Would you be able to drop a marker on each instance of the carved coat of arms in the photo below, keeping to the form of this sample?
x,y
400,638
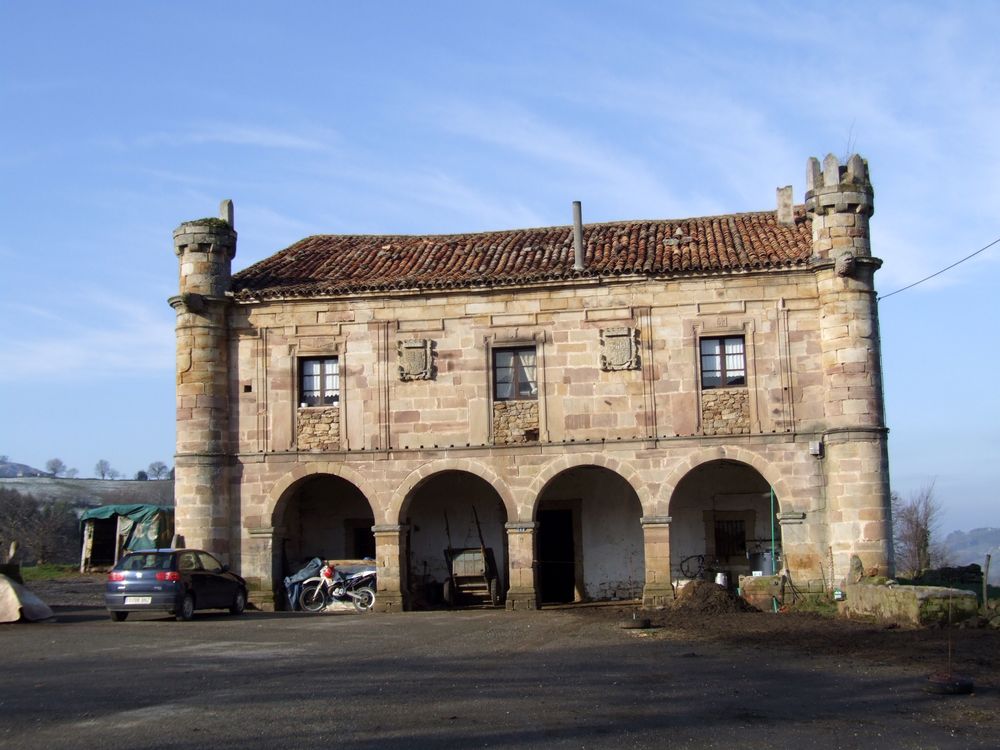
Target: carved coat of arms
x,y
415,359
619,349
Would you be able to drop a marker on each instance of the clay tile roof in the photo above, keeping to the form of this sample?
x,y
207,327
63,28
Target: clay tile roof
x,y
326,265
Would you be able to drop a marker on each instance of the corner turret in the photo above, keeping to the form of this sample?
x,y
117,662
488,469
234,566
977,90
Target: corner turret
x,y
205,249
840,200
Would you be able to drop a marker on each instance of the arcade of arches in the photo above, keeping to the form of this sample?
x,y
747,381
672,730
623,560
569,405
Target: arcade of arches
x,y
587,539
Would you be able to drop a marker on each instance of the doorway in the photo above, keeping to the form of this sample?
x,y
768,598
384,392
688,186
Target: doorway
x,y
556,556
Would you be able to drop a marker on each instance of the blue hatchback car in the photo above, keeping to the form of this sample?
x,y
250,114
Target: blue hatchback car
x,y
174,581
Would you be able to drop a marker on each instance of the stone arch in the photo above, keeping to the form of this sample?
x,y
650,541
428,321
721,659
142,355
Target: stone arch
x,y
565,463
280,493
728,453
418,476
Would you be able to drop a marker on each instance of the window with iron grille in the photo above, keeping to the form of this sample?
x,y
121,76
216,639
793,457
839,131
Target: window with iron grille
x,y
319,381
723,362
514,374
730,538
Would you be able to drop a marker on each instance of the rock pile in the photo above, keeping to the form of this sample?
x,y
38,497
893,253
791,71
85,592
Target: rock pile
x,y
707,598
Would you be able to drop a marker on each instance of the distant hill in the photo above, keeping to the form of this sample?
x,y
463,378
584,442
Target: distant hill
x,y
9,470
93,492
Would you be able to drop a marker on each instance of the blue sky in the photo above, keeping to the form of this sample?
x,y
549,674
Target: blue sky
x,y
121,120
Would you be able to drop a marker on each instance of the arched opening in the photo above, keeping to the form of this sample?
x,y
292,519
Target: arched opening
x,y
723,516
588,543
447,513
321,516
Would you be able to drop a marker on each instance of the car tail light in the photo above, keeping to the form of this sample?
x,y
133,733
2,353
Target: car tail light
x,y
116,575
170,575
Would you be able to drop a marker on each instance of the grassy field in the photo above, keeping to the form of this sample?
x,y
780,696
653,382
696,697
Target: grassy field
x,y
48,572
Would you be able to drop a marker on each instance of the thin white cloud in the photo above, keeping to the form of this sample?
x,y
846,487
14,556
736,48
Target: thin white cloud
x,y
234,134
115,335
590,163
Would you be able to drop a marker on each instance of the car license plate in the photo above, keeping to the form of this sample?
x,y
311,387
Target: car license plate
x,y
138,600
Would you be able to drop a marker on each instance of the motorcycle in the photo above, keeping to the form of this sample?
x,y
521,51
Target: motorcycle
x,y
331,585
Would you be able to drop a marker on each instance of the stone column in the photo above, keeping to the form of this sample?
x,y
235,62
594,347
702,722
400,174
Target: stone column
x,y
390,552
840,200
260,569
205,249
657,591
522,592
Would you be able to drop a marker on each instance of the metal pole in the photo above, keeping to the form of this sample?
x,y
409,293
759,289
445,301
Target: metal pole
x,y
772,532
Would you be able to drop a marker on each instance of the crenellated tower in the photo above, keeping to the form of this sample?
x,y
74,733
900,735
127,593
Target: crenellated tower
x,y
840,202
205,249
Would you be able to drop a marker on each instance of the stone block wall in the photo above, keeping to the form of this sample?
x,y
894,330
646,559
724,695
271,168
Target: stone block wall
x,y
725,411
910,605
318,429
515,422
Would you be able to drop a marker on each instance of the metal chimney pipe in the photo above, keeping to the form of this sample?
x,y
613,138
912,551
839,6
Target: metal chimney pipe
x,y
577,236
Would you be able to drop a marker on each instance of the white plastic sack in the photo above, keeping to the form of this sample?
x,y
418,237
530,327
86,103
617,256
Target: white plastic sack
x,y
16,602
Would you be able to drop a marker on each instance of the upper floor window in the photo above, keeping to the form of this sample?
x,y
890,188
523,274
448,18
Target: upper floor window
x,y
319,381
723,362
514,374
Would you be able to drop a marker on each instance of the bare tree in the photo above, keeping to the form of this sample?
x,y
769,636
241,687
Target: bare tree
x,y
103,469
45,532
55,467
71,473
915,521
157,470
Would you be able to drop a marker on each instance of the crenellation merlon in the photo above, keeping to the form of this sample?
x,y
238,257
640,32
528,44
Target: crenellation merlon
x,y
836,188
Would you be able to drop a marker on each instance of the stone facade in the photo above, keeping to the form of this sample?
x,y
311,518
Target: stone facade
x,y
318,429
622,455
725,411
515,422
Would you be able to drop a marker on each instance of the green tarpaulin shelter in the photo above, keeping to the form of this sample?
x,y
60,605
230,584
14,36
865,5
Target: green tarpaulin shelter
x,y
112,530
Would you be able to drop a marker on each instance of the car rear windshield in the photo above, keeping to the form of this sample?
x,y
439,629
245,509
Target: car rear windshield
x,y
146,561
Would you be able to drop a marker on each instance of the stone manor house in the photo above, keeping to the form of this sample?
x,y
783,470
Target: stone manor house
x,y
624,405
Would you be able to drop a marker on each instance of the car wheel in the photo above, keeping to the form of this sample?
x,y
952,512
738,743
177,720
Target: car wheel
x,y
186,611
118,616
239,603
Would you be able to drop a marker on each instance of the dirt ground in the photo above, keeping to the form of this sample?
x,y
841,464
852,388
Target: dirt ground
x,y
709,616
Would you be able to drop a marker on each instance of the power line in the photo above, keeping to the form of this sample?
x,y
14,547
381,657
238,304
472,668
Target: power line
x,y
957,262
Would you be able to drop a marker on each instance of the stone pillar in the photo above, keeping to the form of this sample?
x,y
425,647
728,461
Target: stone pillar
x,y
658,591
205,249
522,593
260,569
390,552
840,200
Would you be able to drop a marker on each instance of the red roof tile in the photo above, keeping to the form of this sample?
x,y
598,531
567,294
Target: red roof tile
x,y
325,265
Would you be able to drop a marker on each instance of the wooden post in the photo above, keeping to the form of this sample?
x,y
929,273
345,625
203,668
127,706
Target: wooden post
x,y
986,582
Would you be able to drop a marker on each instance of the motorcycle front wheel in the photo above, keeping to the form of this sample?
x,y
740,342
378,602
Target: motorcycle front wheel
x,y
313,598
364,599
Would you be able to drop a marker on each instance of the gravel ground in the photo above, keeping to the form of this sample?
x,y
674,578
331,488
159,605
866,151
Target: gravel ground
x,y
568,677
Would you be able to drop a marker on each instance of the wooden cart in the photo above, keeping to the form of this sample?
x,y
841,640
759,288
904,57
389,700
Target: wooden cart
x,y
472,576
472,572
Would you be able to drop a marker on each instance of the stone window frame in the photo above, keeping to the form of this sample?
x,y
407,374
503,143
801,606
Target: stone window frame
x,y
722,340
722,326
300,361
508,339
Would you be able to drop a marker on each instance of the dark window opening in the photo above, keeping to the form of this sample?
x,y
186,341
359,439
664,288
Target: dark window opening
x,y
319,381
514,374
723,362
730,538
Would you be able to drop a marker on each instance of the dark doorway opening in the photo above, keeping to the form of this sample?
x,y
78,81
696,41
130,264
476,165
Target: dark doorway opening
x,y
362,540
556,556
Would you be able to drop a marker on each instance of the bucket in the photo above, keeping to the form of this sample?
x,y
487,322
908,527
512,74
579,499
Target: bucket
x,y
722,579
